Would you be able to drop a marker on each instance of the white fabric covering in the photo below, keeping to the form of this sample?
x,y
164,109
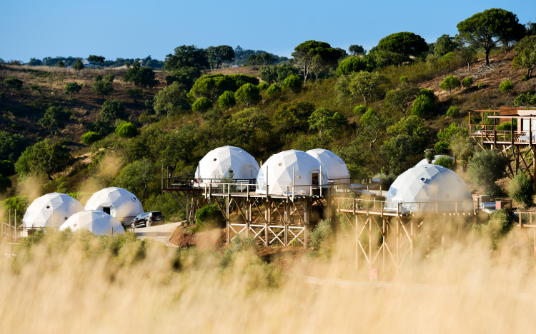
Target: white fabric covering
x,y
51,210
280,173
216,164
334,166
429,183
97,222
122,203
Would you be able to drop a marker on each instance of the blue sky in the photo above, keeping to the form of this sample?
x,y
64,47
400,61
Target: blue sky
x,y
140,28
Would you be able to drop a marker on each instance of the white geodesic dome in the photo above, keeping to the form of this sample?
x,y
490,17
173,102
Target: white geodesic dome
x,y
280,169
334,166
51,210
120,202
428,185
98,222
425,162
217,164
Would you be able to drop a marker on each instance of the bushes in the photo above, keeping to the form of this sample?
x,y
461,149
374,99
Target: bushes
x,y
453,111
202,104
467,82
248,94
449,83
525,100
429,155
486,167
209,216
360,109
506,86
126,130
90,137
444,162
293,83
226,100
274,91
521,190
263,86
423,106
351,64
322,237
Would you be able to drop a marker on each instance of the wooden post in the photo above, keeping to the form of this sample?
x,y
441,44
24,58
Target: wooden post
x,y
162,174
470,123
188,206
356,242
227,206
384,242
268,215
494,131
397,244
248,216
370,241
306,214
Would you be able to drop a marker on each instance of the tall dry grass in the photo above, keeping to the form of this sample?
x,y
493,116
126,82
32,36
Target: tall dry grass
x,y
80,283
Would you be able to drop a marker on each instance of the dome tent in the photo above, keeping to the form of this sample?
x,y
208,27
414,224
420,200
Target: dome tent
x,y
335,167
98,222
282,167
217,164
429,184
425,162
118,202
51,210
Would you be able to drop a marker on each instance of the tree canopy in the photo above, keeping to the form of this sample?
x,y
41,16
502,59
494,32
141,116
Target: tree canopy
x,y
219,54
187,56
141,76
400,46
311,54
351,64
356,50
112,110
525,57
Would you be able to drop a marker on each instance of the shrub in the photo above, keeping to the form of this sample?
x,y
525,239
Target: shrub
x,y
486,167
90,137
126,130
521,189
263,85
322,235
467,82
524,77
360,109
135,93
274,91
209,216
227,99
422,107
441,147
351,64
453,111
293,82
112,110
499,225
525,100
449,83
387,179
449,56
506,86
429,155
444,162
248,94
480,85
202,104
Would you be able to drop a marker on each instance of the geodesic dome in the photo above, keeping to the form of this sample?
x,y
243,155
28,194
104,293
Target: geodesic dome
x,y
425,162
98,222
427,185
335,167
280,169
51,210
217,163
118,202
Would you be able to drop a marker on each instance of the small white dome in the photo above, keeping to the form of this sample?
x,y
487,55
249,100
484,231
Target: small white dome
x,y
121,203
51,210
217,163
429,184
425,162
97,222
333,164
280,173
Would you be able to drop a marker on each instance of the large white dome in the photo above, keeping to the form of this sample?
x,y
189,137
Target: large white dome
x,y
119,202
98,222
335,167
429,184
425,162
217,163
51,210
280,173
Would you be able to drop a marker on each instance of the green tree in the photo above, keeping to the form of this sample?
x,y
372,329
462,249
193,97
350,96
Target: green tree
x,y
486,167
90,137
110,78
274,90
101,127
202,104
101,87
211,86
469,55
78,65
53,118
429,155
185,76
521,189
292,83
365,85
96,59
488,28
226,100
137,177
351,64
71,88
60,64
449,83
126,130
326,122
525,57
220,54
398,151
357,50
453,111
14,84
112,110
412,126
400,46
263,86
247,122
399,99
444,161
12,145
187,56
467,82
142,77
294,116
171,99
525,100
506,86
248,94
46,156
268,74
7,169
373,127
135,94
311,54
444,44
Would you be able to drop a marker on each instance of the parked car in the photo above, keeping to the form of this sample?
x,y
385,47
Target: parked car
x,y
147,219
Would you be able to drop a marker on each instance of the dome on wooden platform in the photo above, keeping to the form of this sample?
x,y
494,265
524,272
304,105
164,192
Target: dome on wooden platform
x,y
334,166
220,163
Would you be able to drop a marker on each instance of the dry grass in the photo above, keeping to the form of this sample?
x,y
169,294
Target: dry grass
x,y
74,286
